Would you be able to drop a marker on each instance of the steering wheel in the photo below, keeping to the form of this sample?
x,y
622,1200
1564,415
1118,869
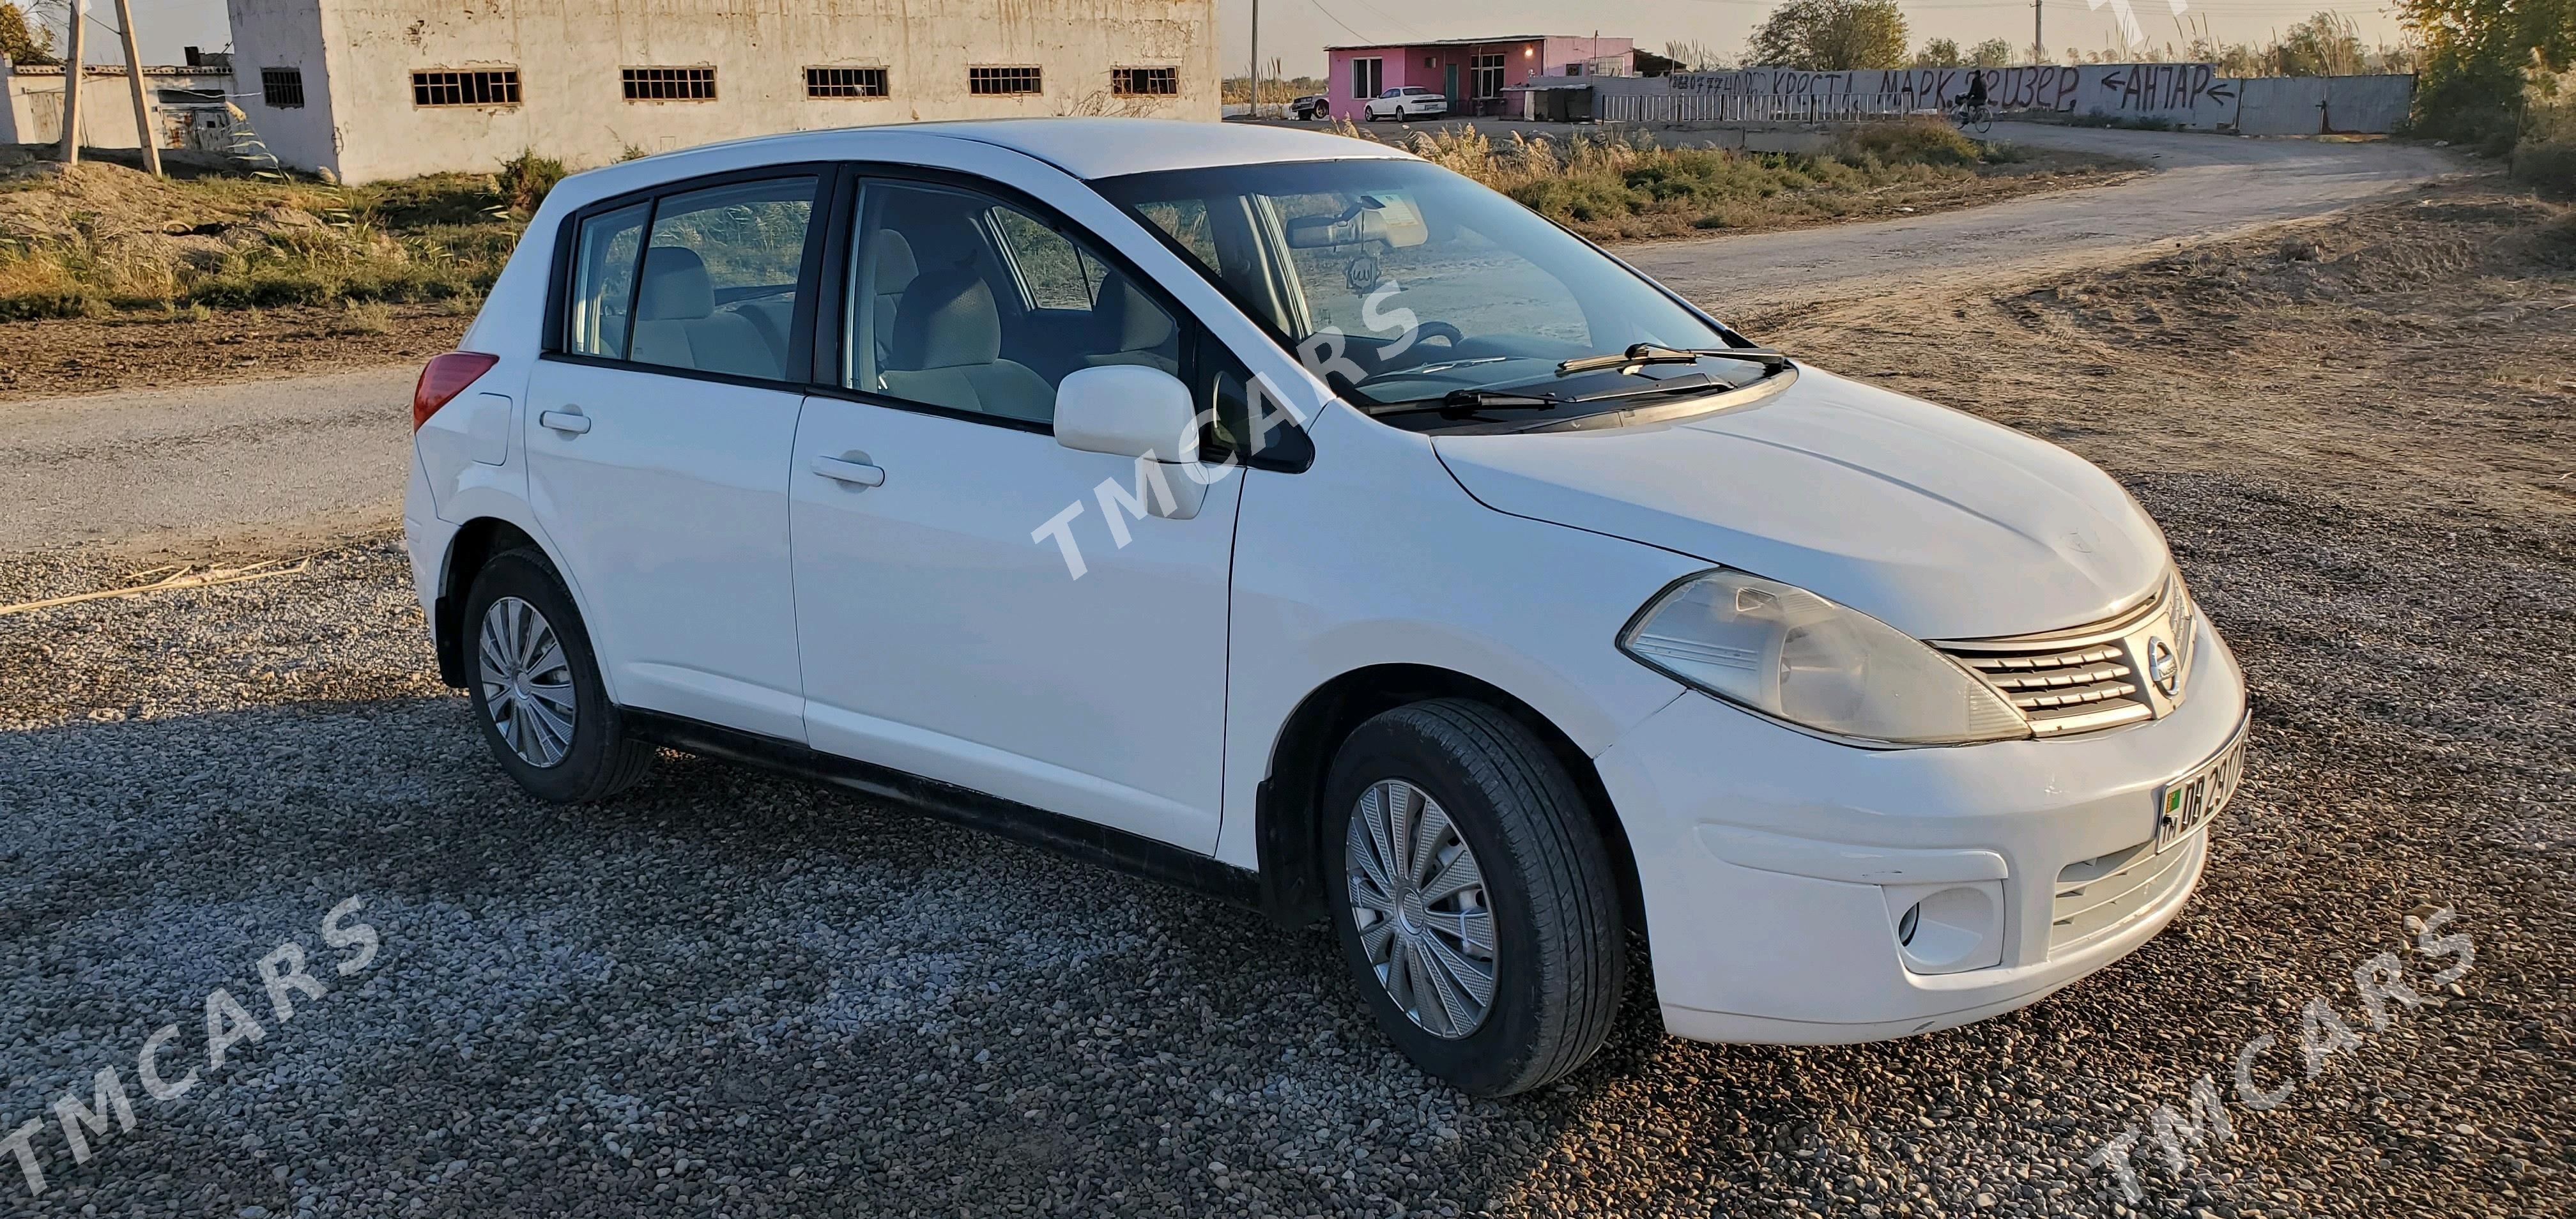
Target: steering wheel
x,y
1443,331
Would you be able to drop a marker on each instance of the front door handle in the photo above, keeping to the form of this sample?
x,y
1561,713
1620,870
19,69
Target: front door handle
x,y
855,473
570,423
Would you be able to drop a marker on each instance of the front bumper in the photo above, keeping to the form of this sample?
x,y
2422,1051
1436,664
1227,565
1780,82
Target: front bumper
x,y
1768,859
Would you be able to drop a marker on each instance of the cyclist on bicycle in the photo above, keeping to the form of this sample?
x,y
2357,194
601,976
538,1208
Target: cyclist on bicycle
x,y
1976,95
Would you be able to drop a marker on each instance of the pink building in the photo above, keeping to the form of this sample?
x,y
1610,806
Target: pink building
x,y
1472,72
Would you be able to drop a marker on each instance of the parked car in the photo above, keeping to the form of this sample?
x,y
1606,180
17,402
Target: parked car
x,y
1311,107
1302,523
1405,102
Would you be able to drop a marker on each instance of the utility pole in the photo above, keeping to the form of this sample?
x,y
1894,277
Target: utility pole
x,y
2038,40
1256,58
72,87
144,136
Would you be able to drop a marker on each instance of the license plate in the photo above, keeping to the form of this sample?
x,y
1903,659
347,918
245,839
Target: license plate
x,y
2186,804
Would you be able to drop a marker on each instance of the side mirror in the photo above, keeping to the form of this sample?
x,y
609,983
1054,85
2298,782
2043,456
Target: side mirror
x,y
1129,410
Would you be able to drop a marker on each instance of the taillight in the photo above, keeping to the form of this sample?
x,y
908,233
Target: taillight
x,y
444,378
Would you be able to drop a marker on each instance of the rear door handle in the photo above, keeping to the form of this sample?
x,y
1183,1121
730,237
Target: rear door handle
x,y
571,423
855,473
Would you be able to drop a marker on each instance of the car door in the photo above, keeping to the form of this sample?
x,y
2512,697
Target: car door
x,y
948,630
658,436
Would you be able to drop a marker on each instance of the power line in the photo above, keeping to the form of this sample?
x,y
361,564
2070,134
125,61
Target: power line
x,y
1346,26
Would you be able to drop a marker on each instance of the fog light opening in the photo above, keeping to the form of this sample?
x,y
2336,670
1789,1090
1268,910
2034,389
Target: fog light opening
x,y
1947,927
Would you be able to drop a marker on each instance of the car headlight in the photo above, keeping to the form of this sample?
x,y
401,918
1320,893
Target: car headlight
x,y
1790,654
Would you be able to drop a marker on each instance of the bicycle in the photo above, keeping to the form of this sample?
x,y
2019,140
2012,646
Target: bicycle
x,y
1973,116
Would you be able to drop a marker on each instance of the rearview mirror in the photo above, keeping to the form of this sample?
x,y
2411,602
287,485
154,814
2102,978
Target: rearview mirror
x,y
1385,216
1129,410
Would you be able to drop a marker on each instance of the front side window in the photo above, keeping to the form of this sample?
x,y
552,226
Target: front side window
x,y
1336,256
973,305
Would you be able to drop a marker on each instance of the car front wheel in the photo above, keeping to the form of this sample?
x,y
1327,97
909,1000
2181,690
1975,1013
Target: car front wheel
x,y
1476,902
535,687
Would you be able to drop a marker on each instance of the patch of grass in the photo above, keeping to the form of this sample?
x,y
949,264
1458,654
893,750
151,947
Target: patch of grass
x,y
364,317
105,239
1613,187
2548,165
525,179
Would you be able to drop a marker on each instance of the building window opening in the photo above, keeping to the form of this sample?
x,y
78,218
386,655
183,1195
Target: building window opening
x,y
1145,82
997,81
488,87
668,84
1488,75
282,86
845,82
1367,76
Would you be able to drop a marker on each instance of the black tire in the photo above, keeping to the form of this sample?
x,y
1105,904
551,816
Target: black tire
x,y
1561,960
601,760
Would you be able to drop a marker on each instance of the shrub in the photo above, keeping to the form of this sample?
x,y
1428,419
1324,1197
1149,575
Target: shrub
x,y
1921,141
2549,166
525,179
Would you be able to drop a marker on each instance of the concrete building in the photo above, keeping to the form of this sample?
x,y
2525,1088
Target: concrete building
x,y
1471,72
187,105
368,89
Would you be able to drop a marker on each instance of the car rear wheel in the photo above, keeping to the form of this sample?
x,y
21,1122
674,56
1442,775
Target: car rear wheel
x,y
535,688
1475,901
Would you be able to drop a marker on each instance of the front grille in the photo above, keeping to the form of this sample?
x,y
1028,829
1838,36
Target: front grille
x,y
2072,681
2096,897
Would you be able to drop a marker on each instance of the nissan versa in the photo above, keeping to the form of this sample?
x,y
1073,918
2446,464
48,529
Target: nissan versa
x,y
1276,514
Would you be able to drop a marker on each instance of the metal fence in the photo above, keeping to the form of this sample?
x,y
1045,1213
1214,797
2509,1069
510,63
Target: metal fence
x,y
1754,107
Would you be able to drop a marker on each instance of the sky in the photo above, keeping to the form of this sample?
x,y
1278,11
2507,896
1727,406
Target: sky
x,y
1295,32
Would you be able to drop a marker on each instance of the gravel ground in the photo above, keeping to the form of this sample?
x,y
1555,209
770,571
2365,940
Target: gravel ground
x,y
729,994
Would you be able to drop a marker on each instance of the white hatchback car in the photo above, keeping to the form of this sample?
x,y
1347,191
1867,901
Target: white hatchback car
x,y
1279,515
1404,102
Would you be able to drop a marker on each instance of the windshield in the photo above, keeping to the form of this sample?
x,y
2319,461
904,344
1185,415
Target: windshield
x,y
1423,283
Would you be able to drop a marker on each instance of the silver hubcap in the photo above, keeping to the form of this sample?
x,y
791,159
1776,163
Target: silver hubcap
x,y
527,683
1418,900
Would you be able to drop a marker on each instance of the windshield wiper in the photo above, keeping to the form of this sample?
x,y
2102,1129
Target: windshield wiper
x,y
1463,401
1650,353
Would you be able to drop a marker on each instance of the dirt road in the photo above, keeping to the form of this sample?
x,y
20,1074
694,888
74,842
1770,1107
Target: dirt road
x,y
2206,187
263,462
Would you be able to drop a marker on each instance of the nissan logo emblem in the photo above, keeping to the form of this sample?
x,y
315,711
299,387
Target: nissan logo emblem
x,y
2162,668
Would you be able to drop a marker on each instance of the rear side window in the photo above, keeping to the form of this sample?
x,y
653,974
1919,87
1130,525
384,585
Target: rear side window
x,y
603,281
716,286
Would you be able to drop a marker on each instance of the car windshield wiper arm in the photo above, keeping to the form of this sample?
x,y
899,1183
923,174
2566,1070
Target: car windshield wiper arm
x,y
1464,400
1649,353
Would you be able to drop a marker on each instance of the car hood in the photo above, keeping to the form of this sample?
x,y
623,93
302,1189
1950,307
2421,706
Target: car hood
x,y
1940,524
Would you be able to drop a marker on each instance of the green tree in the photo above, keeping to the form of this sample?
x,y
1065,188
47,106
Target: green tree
x,y
1831,36
2479,57
1992,53
22,43
1940,53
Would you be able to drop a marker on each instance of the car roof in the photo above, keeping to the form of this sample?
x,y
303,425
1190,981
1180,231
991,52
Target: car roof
x,y
1095,147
